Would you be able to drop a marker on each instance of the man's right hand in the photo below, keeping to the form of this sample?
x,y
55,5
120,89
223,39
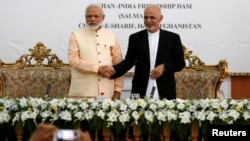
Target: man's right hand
x,y
106,71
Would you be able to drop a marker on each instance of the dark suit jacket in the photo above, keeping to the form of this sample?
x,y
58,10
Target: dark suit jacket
x,y
170,52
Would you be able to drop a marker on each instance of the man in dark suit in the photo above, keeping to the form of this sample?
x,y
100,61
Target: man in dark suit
x,y
156,54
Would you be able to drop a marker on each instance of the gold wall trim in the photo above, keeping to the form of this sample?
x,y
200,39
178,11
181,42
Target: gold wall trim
x,y
239,73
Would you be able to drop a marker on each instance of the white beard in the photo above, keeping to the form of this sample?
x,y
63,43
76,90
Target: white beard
x,y
94,27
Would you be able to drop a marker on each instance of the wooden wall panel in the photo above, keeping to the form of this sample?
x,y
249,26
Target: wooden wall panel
x,y
240,87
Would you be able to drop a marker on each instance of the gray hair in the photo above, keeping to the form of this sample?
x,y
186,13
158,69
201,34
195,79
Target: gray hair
x,y
94,6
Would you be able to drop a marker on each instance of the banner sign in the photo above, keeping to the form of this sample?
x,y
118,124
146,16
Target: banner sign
x,y
213,30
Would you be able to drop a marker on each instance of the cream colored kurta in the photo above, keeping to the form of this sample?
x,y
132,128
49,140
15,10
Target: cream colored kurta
x,y
87,51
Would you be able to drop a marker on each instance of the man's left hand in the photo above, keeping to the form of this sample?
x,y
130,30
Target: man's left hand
x,y
157,71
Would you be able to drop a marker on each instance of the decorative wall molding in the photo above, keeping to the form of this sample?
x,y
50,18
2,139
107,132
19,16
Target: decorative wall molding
x,y
239,74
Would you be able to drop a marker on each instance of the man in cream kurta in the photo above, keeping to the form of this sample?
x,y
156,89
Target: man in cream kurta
x,y
89,49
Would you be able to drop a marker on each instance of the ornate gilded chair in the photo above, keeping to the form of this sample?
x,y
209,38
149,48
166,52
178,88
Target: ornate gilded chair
x,y
198,80
32,73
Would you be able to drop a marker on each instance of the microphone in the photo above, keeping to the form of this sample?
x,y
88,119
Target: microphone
x,y
152,92
47,91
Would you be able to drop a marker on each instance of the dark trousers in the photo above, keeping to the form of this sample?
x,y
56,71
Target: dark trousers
x,y
7,133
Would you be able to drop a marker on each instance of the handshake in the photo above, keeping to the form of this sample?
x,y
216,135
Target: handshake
x,y
106,71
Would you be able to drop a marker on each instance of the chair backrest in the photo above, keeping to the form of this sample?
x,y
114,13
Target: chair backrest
x,y
31,74
198,80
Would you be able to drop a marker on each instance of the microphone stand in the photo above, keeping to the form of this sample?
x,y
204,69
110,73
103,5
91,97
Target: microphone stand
x,y
152,92
47,92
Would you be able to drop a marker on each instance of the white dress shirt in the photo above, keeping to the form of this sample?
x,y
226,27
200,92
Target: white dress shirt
x,y
153,39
